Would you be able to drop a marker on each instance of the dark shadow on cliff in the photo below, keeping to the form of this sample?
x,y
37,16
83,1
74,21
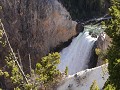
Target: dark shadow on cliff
x,y
86,9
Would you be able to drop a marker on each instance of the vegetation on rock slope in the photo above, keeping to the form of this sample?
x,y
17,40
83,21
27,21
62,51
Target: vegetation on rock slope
x,y
94,86
44,77
35,27
113,55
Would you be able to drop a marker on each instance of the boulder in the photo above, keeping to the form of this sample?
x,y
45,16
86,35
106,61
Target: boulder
x,y
79,27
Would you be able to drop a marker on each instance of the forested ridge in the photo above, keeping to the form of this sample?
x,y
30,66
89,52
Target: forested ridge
x,y
86,9
113,30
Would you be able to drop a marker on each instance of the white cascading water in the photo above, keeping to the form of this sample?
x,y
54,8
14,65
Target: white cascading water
x,y
76,56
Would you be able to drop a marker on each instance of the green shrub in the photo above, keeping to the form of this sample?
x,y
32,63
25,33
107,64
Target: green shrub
x,y
109,87
66,71
47,71
94,86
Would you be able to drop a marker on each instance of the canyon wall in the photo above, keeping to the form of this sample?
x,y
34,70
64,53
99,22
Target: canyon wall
x,y
103,44
36,27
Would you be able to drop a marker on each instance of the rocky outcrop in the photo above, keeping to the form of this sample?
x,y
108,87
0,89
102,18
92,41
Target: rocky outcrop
x,y
79,27
36,26
93,57
103,43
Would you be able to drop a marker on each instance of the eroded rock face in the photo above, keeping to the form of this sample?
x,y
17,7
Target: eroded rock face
x,y
36,26
93,58
103,43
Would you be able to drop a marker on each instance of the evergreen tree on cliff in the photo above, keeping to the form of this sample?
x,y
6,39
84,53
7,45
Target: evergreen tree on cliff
x,y
113,30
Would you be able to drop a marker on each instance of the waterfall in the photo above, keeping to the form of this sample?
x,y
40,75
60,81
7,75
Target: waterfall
x,y
84,79
76,56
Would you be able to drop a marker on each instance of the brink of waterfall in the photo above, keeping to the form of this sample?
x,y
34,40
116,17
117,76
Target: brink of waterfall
x,y
77,55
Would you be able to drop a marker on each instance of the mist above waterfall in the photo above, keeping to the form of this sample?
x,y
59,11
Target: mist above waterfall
x,y
77,55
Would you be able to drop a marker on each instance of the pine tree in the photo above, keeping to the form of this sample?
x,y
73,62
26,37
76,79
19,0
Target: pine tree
x,y
109,87
44,77
66,71
113,55
94,86
47,71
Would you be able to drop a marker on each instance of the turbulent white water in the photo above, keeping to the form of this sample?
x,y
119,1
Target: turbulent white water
x,y
84,79
76,56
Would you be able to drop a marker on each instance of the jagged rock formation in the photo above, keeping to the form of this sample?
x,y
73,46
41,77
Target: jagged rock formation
x,y
103,43
93,58
36,26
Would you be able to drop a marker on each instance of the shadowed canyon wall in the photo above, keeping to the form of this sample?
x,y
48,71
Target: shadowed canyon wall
x,y
36,26
86,9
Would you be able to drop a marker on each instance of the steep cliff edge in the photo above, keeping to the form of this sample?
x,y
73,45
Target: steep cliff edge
x,y
36,26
